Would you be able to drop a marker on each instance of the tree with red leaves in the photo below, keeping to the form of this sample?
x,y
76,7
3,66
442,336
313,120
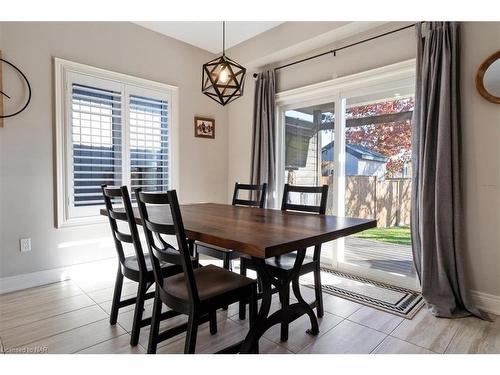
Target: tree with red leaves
x,y
392,140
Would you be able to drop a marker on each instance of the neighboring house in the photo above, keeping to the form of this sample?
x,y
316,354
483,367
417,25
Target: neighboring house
x,y
359,161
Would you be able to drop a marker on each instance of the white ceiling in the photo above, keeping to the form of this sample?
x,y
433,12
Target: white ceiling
x,y
208,34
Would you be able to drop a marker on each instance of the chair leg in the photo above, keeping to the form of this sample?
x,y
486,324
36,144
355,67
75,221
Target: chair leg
x,y
139,309
284,294
192,332
243,272
155,324
253,311
318,290
116,297
226,262
213,322
227,265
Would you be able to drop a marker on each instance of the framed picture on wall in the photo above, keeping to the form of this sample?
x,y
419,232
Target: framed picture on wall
x,y
204,127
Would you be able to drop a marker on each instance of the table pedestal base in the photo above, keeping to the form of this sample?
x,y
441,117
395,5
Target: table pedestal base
x,y
286,314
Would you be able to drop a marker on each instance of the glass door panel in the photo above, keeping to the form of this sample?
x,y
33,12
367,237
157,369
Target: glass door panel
x,y
309,150
378,185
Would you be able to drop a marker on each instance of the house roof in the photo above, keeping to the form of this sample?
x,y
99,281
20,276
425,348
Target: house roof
x,y
360,152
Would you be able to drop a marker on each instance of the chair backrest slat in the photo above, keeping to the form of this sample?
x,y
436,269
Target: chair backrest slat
x,y
160,228
302,208
123,237
258,195
126,214
287,205
160,250
117,215
246,202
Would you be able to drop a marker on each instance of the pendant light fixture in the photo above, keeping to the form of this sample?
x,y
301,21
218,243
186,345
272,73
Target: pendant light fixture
x,y
222,78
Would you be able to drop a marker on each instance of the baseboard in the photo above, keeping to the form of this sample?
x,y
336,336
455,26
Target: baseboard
x,y
33,279
487,302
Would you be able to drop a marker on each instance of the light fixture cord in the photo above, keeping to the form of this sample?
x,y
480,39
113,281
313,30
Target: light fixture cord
x,y
223,38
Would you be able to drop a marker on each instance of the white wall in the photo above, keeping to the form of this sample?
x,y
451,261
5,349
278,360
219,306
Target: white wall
x,y
26,141
481,138
481,159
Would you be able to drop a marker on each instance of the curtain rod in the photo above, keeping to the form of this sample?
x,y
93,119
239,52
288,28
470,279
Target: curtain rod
x,y
334,51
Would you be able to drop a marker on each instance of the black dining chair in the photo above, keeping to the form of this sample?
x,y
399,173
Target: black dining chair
x,y
136,267
257,198
282,265
196,292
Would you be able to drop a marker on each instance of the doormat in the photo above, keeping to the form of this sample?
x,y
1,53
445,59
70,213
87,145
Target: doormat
x,y
389,298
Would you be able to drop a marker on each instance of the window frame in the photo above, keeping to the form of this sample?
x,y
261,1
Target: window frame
x,y
64,75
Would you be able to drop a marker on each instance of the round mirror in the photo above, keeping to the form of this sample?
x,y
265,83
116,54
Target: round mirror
x,y
488,78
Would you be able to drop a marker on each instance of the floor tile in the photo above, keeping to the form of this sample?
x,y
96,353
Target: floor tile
x,y
339,306
475,336
392,345
268,347
45,310
117,345
228,333
92,285
427,331
102,295
106,306
35,331
376,319
79,338
298,338
49,292
346,338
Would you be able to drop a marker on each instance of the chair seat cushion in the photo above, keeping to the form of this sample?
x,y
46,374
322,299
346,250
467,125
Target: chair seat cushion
x,y
211,281
286,261
132,264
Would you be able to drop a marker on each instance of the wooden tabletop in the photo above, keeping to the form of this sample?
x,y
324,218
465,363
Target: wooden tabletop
x,y
258,232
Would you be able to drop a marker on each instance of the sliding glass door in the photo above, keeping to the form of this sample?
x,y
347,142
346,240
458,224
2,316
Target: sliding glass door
x,y
378,184
356,138
308,150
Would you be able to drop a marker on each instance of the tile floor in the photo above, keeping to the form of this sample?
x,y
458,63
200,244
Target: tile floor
x,y
72,317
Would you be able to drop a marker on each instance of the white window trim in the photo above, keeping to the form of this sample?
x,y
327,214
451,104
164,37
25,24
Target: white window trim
x,y
63,133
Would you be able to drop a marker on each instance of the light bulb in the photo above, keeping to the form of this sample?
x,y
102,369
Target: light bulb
x,y
223,75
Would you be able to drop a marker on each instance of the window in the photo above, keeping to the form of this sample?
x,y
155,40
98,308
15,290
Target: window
x,y
112,129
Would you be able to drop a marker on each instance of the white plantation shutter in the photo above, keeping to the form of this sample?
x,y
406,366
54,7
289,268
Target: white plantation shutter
x,y
96,132
111,129
148,143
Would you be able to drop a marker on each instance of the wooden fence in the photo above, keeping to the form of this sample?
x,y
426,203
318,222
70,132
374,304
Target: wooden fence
x,y
367,197
386,200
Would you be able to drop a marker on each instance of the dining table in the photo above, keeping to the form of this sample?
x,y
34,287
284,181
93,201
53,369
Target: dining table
x,y
259,234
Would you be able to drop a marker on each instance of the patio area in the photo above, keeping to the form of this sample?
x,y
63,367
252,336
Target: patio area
x,y
387,257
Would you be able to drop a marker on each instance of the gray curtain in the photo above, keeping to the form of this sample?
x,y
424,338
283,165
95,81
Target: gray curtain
x,y
437,224
263,138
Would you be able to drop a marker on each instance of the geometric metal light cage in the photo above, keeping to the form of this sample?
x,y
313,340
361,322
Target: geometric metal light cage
x,y
223,79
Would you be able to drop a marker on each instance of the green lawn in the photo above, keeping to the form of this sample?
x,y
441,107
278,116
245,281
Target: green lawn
x,y
395,235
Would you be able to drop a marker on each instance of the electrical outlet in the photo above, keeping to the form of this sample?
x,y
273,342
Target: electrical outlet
x,y
25,244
